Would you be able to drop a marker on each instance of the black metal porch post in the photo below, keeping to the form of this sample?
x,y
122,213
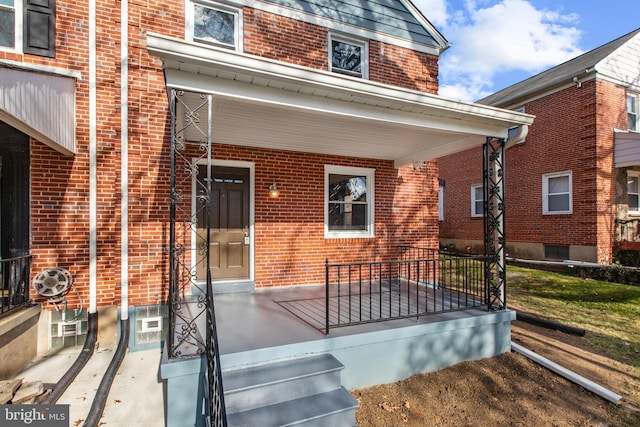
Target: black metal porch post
x,y
494,224
189,242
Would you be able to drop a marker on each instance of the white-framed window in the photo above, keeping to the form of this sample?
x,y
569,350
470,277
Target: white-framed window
x,y
214,23
441,203
633,192
556,193
349,202
11,25
348,56
477,200
632,112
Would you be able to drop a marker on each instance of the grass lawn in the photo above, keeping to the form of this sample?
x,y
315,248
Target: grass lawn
x,y
609,312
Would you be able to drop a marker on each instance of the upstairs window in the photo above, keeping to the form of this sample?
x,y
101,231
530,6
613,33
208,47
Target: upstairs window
x,y
8,19
556,193
215,24
349,202
477,200
348,56
28,26
633,192
632,112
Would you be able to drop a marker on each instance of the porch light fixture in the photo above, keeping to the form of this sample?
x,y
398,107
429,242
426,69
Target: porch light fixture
x,y
274,193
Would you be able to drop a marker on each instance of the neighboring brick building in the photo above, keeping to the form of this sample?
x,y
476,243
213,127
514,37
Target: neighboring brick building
x,y
302,97
572,185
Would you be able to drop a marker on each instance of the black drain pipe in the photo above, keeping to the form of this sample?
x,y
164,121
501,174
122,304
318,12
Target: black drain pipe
x,y
100,399
83,358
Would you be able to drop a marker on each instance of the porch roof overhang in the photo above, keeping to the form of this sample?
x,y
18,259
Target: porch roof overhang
x,y
265,103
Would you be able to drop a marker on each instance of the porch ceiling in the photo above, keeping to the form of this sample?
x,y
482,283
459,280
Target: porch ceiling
x,y
264,103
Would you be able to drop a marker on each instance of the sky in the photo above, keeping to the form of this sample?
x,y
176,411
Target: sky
x,y
497,43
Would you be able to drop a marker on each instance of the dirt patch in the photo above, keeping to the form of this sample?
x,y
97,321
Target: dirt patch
x,y
509,390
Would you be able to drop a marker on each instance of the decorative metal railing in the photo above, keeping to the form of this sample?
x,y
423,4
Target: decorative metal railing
x,y
366,292
14,289
628,230
192,330
494,224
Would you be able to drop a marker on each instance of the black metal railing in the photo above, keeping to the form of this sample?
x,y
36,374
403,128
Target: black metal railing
x,y
15,282
366,292
628,230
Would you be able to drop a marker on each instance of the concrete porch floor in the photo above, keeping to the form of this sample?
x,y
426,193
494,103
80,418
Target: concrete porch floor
x,y
253,328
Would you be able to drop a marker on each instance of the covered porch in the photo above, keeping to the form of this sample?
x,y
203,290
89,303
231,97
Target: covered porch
x,y
257,330
277,110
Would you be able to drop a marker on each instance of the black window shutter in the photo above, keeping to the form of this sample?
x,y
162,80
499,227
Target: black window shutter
x,y
40,27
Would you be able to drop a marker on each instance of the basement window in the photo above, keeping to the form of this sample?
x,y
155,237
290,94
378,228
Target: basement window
x,y
556,252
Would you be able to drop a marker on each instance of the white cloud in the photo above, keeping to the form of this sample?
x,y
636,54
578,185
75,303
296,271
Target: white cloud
x,y
434,10
492,37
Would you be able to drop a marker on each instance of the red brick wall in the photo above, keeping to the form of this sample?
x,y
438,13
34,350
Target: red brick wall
x,y
611,114
285,39
573,131
290,244
460,172
290,247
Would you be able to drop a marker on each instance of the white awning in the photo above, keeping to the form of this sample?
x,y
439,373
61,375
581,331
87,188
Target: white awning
x,y
264,103
40,104
627,149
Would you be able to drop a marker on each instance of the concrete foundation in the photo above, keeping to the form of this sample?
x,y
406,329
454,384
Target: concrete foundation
x,y
18,340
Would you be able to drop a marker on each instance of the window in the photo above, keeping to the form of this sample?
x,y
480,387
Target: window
x,y
633,192
348,56
477,200
556,193
559,252
215,24
8,20
349,202
28,26
632,112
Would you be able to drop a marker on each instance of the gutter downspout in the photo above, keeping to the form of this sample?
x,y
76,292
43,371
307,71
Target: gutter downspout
x,y
100,398
570,375
92,332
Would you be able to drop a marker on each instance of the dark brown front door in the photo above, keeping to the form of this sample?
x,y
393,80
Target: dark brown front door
x,y
229,238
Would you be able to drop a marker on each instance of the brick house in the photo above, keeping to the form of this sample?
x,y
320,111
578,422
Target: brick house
x,y
316,127
572,185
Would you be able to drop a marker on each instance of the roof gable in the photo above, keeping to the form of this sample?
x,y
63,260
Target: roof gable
x,y
398,19
581,67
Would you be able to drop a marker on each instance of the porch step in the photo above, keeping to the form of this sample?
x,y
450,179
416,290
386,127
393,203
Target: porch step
x,y
333,408
304,391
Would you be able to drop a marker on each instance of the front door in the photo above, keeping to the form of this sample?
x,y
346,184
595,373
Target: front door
x,y
229,235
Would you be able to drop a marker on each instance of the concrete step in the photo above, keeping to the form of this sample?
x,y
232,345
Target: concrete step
x,y
333,408
250,388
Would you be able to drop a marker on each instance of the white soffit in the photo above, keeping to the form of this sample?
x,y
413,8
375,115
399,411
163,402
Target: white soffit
x,y
40,105
266,103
